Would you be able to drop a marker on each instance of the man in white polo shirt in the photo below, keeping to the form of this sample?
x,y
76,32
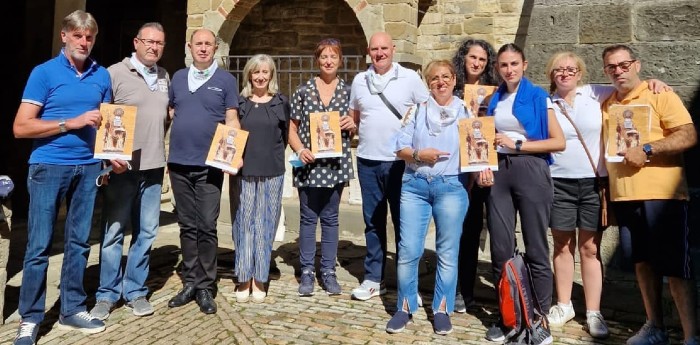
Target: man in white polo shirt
x,y
379,97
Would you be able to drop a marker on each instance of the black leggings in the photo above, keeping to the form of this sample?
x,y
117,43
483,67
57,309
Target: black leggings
x,y
523,185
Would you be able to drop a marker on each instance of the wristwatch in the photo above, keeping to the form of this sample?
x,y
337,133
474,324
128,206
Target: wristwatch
x,y
414,155
518,145
648,150
62,126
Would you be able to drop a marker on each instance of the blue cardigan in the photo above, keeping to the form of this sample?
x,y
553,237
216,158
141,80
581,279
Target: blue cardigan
x,y
529,107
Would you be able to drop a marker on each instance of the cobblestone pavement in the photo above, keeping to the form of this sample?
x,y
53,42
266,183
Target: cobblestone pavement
x,y
286,318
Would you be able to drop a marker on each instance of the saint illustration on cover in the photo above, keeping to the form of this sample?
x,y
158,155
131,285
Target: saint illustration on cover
x,y
115,136
476,98
226,149
628,127
325,134
476,134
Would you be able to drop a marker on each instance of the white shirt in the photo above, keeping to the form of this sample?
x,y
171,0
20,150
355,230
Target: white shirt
x,y
378,125
506,123
573,161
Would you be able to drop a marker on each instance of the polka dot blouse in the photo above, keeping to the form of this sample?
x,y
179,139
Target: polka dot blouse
x,y
324,172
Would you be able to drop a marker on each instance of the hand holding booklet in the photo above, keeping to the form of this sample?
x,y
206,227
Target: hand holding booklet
x,y
226,149
326,141
628,127
476,136
115,137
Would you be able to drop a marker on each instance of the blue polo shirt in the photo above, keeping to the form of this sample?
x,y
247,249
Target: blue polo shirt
x,y
56,87
197,115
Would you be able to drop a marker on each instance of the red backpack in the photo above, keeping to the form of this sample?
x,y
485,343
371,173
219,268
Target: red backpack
x,y
518,304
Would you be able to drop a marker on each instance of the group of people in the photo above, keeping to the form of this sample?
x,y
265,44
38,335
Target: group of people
x,y
407,164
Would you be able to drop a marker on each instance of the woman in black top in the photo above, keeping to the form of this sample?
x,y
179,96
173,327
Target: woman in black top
x,y
256,192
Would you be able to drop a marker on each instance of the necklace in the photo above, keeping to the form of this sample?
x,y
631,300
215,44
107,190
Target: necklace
x,y
256,105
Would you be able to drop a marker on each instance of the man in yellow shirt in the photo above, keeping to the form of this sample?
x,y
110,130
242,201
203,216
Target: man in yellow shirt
x,y
650,196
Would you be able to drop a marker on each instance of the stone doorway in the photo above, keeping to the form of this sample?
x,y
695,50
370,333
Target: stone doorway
x,y
290,30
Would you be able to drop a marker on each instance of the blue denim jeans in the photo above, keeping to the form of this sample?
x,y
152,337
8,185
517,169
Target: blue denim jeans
x,y
445,199
133,196
380,182
48,186
315,203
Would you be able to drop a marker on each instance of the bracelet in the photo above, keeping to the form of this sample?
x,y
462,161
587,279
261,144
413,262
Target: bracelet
x,y
415,156
300,150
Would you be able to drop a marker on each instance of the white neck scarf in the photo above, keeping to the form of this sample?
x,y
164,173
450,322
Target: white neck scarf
x,y
197,78
150,75
438,116
378,82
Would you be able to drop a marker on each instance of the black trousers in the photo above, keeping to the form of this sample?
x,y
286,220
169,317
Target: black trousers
x,y
469,242
197,193
523,185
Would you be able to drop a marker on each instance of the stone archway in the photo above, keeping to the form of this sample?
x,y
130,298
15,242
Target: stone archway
x,y
294,27
224,17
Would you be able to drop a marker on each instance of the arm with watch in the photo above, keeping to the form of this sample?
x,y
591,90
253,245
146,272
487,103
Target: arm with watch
x,y
554,143
428,156
28,123
678,140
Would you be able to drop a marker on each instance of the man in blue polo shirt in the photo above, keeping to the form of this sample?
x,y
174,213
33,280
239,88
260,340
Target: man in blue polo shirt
x,y
59,110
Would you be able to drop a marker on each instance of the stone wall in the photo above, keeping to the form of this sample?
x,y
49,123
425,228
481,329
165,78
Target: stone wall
x,y
665,34
446,23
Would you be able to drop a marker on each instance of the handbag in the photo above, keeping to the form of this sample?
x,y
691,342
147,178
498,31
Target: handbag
x,y
606,216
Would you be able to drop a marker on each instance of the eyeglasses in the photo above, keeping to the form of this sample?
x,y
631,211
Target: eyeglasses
x,y
436,78
624,66
565,70
151,43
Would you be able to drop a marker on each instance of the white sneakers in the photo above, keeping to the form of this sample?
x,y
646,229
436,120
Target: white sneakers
x,y
560,314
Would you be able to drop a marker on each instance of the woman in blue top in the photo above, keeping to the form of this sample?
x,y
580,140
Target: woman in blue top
x,y
429,143
527,131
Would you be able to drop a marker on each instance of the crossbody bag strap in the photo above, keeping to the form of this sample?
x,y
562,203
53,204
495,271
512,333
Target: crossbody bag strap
x,y
391,107
580,138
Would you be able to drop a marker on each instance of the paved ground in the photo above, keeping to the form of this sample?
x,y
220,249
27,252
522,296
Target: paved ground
x,y
287,318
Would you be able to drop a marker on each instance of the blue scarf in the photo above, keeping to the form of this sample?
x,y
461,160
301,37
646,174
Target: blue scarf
x,y
529,107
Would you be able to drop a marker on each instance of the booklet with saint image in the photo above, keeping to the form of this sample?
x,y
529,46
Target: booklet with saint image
x,y
476,152
115,137
326,141
226,149
628,127
477,98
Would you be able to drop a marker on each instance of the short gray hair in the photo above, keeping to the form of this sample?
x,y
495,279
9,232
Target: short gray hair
x,y
79,20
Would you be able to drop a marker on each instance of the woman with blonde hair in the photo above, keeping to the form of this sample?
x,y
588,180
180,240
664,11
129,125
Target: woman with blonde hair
x,y
432,187
256,191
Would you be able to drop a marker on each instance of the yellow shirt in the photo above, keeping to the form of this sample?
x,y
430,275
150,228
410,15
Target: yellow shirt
x,y
663,177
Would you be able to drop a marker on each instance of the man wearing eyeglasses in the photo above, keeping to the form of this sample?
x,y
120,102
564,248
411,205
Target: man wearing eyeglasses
x,y
650,196
134,196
